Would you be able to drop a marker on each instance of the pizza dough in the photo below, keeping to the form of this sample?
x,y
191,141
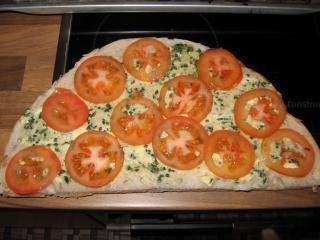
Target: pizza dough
x,y
152,175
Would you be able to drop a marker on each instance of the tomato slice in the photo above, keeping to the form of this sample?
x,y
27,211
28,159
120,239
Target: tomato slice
x,y
178,142
147,59
219,69
185,95
64,111
228,154
100,79
288,152
259,112
134,120
94,159
32,169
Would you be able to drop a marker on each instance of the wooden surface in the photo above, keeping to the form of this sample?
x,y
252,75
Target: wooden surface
x,y
28,46
175,201
27,54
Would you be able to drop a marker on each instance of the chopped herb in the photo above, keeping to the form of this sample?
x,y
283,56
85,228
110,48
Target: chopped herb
x,y
210,129
294,162
155,95
223,119
153,167
29,123
133,169
159,179
262,174
137,64
104,121
92,113
66,179
106,108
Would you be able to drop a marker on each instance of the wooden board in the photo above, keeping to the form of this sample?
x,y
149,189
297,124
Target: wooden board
x,y
28,47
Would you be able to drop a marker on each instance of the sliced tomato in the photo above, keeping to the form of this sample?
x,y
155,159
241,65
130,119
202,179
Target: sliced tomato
x,y
228,154
32,169
219,69
64,111
178,142
134,120
94,159
147,59
288,152
185,95
259,112
100,79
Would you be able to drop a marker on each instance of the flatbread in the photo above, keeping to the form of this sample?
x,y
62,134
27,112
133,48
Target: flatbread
x,y
144,180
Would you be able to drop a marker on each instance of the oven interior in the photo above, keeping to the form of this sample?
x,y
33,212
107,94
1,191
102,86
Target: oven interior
x,y
281,224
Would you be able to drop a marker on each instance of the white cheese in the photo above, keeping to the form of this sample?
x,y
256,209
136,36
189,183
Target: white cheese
x,y
207,179
275,151
289,144
251,103
168,97
44,172
37,159
163,134
255,123
291,163
148,69
149,50
217,160
135,109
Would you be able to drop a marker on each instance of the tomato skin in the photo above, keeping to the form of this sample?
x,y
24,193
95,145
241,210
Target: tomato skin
x,y
238,152
176,128
275,121
30,178
135,135
64,111
219,69
197,103
100,79
84,156
305,162
158,58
